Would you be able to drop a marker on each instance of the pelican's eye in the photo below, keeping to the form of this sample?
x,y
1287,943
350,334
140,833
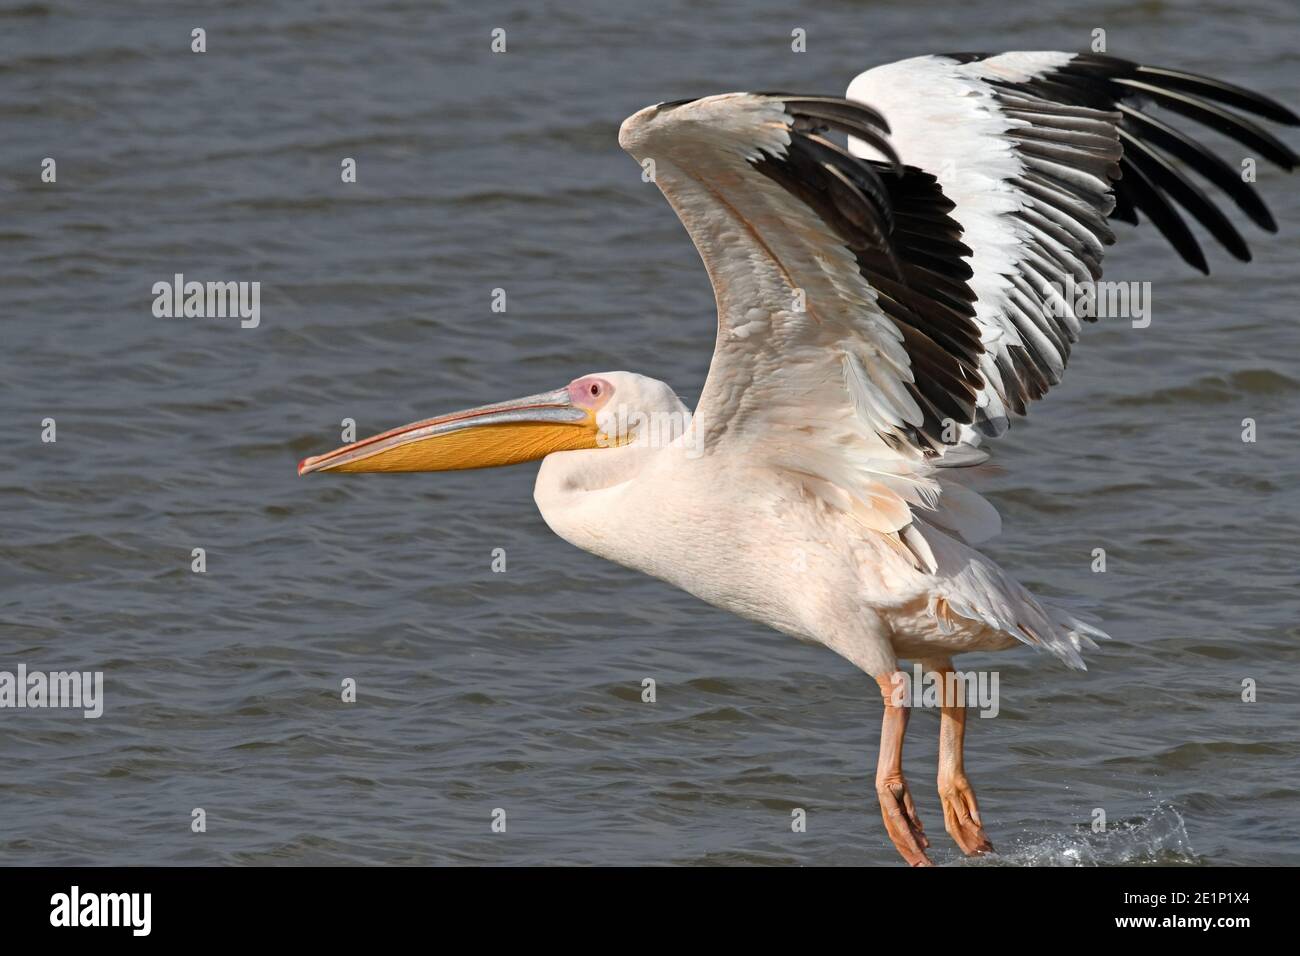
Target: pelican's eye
x,y
590,392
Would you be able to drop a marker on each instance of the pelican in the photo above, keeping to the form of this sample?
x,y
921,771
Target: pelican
x,y
884,308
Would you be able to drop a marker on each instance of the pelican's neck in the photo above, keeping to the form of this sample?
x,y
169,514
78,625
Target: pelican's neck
x,y
566,475
583,494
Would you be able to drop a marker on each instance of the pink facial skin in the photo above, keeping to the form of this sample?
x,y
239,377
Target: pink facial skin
x,y
590,392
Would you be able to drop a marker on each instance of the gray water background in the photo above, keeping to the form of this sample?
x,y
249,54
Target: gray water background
x,y
522,690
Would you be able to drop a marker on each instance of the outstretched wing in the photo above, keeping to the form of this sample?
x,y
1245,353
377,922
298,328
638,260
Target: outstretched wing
x,y
1037,151
846,332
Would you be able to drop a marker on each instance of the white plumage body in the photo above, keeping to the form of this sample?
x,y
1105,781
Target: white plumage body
x,y
756,542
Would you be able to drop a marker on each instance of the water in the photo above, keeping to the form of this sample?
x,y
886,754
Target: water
x,y
521,690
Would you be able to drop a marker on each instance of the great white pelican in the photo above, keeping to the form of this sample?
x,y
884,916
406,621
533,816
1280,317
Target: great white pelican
x,y
883,309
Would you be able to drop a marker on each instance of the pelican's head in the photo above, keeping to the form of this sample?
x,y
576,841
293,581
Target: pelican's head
x,y
595,411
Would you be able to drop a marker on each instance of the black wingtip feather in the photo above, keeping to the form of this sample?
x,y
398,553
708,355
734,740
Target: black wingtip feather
x,y
1215,117
1149,198
1148,179
1182,147
1226,93
1186,194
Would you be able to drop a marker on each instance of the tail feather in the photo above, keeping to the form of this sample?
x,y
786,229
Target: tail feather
x,y
974,587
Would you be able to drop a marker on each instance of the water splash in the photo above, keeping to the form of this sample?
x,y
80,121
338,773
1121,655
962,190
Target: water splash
x,y
1158,838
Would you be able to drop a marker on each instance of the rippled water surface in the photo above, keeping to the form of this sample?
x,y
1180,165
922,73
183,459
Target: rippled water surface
x,y
522,690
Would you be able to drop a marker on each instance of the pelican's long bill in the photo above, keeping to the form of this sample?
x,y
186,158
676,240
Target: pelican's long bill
x,y
503,434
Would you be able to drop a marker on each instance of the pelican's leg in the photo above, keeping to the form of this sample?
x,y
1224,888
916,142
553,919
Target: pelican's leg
x,y
901,821
961,815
